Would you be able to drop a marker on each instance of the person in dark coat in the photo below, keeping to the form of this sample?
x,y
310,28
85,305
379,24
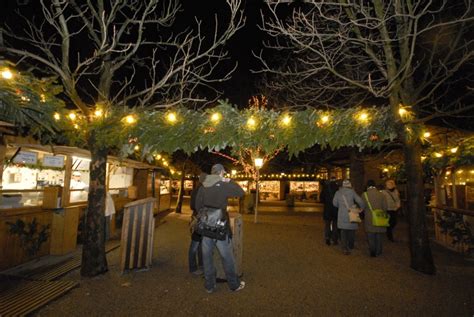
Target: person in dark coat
x,y
328,191
374,199
195,250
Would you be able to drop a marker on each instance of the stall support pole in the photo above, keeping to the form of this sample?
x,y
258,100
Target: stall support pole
x,y
256,196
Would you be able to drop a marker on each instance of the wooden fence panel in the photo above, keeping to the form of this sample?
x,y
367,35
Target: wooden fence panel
x,y
137,235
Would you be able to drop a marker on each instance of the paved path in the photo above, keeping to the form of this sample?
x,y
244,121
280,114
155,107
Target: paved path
x,y
289,272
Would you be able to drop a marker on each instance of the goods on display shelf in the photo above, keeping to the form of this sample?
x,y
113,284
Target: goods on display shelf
x,y
25,178
79,185
120,178
188,186
164,186
270,190
305,189
244,185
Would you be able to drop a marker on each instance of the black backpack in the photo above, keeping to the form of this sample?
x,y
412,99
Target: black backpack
x,y
211,222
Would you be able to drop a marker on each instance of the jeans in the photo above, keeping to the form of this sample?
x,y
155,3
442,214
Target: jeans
x,y
227,256
347,239
375,243
195,255
392,222
330,230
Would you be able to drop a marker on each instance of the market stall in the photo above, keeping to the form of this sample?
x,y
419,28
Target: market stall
x,y
305,190
47,187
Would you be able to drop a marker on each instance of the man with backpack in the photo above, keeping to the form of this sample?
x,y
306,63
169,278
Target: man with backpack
x,y
213,196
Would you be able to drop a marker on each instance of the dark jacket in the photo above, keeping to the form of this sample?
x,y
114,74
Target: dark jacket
x,y
327,195
192,202
214,193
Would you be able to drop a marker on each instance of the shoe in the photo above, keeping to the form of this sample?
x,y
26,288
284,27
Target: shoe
x,y
372,254
328,242
212,290
198,272
241,287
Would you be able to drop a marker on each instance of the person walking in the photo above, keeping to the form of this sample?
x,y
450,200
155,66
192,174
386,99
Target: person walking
x,y
344,199
374,199
195,249
330,211
392,197
214,193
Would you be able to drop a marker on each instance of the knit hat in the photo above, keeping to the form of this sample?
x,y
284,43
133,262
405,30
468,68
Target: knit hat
x,y
217,169
346,183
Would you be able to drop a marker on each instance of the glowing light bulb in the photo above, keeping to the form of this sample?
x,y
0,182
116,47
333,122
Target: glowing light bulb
x,y
216,117
251,123
363,117
454,150
98,113
426,135
137,147
171,117
324,119
130,119
402,111
438,155
56,116
286,120
72,116
7,74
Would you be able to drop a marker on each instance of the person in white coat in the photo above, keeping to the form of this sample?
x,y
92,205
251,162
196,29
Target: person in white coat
x,y
109,214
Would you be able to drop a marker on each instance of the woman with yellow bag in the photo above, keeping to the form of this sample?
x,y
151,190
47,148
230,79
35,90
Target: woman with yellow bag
x,y
376,206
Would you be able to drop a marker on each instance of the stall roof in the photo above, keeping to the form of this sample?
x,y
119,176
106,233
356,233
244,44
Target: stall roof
x,y
5,127
75,151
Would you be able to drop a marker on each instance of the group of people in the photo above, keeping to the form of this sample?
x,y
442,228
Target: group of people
x,y
338,200
213,191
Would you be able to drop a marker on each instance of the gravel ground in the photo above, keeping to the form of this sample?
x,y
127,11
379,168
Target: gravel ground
x,y
289,271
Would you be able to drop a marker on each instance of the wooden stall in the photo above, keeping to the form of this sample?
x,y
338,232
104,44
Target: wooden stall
x,y
48,185
12,250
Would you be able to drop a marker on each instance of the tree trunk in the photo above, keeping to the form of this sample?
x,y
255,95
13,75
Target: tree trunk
x,y
357,173
421,257
94,261
3,151
179,202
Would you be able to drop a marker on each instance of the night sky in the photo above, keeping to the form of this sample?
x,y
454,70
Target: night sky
x,y
243,83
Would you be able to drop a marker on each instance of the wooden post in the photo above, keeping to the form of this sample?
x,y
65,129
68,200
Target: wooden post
x,y
453,181
67,181
3,152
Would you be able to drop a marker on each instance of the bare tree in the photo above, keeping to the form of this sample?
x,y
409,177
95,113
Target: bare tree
x,y
121,53
406,53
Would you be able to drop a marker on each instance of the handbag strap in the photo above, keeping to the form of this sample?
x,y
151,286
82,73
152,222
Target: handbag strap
x,y
368,201
391,196
345,201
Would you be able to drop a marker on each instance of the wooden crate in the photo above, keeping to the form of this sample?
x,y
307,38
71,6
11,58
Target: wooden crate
x,y
138,229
